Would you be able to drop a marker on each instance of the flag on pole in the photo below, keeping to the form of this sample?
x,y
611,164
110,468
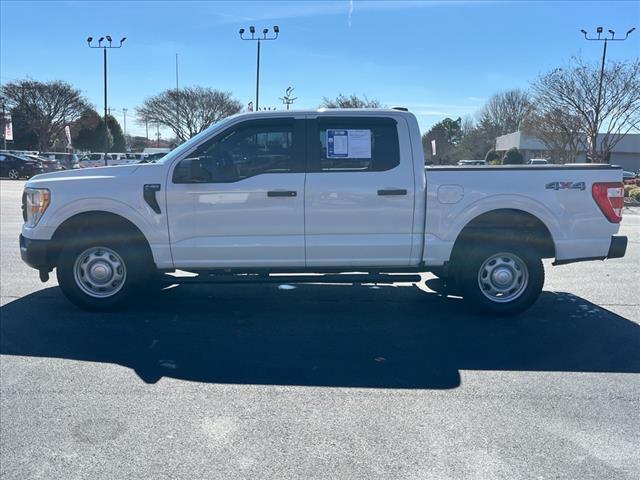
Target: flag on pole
x,y
250,107
67,132
8,128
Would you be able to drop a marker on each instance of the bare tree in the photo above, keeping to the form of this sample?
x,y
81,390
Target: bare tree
x,y
351,101
47,106
506,111
199,107
573,90
558,130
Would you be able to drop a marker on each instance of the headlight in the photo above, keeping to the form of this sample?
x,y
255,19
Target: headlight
x,y
36,201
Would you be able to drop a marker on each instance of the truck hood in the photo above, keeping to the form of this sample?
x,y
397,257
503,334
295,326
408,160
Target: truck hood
x,y
80,174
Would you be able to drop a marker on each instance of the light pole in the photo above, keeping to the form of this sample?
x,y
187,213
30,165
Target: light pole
x,y
104,56
600,38
252,30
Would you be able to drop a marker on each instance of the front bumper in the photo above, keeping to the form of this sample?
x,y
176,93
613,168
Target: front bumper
x,y
617,249
35,253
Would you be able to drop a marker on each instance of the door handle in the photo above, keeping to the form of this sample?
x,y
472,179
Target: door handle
x,y
393,191
282,193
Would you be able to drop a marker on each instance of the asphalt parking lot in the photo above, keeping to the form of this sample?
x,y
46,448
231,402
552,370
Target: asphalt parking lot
x,y
312,381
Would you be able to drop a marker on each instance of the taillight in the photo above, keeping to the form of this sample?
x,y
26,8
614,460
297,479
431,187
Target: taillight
x,y
610,198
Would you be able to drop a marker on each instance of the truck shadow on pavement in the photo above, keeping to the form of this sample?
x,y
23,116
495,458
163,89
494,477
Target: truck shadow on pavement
x,y
321,335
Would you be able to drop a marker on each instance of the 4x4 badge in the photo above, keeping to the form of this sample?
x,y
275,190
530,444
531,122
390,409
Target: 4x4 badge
x,y
565,186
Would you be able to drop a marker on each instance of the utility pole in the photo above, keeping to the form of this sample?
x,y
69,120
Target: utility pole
x,y
594,133
178,136
124,112
4,125
287,99
104,58
265,31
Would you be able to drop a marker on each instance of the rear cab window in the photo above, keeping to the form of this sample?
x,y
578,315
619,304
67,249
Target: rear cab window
x,y
353,144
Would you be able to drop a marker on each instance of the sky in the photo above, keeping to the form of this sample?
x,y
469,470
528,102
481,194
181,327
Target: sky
x,y
440,59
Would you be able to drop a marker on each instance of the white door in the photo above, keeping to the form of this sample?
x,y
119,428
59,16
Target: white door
x,y
238,200
359,193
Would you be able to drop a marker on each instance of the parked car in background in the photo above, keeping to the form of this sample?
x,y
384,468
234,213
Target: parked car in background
x,y
538,161
67,160
94,160
630,178
48,165
97,160
16,167
153,157
471,162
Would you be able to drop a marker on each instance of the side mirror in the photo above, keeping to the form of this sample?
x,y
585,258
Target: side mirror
x,y
192,170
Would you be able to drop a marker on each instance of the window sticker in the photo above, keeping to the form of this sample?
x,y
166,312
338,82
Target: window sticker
x,y
348,143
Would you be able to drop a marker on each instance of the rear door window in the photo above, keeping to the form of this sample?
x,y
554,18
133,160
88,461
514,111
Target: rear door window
x,y
352,144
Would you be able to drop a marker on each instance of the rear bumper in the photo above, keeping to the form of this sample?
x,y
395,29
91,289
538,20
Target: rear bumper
x,y
617,249
35,253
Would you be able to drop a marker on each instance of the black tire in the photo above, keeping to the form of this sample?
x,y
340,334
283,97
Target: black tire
x,y
13,174
520,269
70,272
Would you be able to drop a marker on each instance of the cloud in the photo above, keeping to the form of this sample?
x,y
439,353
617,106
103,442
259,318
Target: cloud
x,y
350,12
430,113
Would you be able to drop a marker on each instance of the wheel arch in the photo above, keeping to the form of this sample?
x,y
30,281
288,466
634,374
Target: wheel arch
x,y
110,226
505,224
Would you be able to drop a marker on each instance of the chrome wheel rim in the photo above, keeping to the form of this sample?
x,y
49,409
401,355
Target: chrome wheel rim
x,y
13,174
503,277
100,272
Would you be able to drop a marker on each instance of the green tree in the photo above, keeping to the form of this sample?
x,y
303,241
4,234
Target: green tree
x,y
24,137
513,157
119,143
447,135
89,132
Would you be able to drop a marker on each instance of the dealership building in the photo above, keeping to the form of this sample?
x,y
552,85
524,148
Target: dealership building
x,y
626,152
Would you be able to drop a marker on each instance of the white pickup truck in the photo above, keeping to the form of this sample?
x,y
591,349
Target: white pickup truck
x,y
318,195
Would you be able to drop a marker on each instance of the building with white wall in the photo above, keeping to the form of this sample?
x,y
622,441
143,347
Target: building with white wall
x,y
626,153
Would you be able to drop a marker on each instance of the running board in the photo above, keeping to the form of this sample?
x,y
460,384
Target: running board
x,y
278,278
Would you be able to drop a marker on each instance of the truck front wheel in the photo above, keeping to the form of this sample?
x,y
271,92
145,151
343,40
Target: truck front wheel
x,y
502,279
99,275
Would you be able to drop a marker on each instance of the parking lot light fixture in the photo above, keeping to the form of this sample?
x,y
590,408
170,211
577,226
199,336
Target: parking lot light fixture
x,y
599,38
104,58
265,36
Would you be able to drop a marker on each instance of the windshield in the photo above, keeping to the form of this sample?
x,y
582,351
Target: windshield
x,y
193,141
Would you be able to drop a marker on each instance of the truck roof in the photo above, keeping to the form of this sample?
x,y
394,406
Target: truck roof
x,y
327,112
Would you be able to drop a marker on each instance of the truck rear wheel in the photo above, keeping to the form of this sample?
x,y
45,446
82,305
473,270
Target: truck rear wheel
x,y
502,279
97,275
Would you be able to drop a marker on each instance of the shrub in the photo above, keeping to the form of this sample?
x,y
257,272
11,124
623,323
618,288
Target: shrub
x,y
635,194
628,188
513,157
491,156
